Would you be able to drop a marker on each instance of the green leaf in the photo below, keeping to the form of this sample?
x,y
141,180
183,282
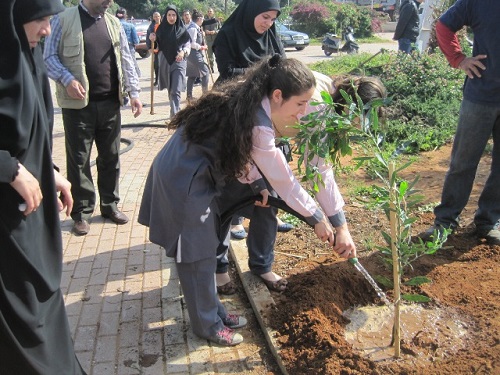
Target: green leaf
x,y
415,298
327,98
384,281
403,186
387,238
404,166
418,280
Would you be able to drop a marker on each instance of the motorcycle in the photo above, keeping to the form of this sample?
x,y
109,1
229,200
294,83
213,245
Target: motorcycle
x,y
331,42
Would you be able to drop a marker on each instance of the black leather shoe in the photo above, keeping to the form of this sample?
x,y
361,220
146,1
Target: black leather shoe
x,y
81,227
117,217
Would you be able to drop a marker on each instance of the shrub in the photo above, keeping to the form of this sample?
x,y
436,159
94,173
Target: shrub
x,y
359,18
316,19
426,95
312,17
426,99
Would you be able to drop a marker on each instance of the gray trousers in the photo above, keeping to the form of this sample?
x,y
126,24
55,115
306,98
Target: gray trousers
x,y
200,294
190,84
477,122
173,78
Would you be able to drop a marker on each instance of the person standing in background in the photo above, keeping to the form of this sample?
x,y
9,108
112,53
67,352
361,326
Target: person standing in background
x,y
152,29
408,26
479,118
87,55
186,17
35,336
131,33
174,44
196,66
210,27
248,36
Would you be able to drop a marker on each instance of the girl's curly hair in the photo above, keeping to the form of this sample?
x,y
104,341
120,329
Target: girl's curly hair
x,y
367,88
227,114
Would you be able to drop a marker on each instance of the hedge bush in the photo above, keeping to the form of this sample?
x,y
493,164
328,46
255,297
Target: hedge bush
x,y
426,94
317,19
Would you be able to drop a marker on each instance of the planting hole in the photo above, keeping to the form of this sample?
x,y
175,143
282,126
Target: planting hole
x,y
426,334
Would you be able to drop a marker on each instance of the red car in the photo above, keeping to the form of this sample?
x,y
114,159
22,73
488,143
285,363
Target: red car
x,y
142,28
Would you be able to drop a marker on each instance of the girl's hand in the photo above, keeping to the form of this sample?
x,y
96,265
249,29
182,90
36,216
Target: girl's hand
x,y
265,195
324,231
344,245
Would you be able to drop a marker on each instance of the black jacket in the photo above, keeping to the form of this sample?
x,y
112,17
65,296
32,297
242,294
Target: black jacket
x,y
408,23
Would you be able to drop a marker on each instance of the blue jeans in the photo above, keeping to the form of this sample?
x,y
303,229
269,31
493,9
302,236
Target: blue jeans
x,y
477,122
262,229
405,45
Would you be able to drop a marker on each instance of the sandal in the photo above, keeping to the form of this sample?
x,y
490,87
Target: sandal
x,y
227,289
276,286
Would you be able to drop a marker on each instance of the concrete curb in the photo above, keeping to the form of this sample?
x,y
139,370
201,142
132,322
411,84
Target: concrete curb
x,y
259,296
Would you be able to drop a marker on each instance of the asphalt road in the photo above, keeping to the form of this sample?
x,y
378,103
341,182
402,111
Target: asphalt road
x,y
314,53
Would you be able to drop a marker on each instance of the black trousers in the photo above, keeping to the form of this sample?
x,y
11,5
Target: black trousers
x,y
98,122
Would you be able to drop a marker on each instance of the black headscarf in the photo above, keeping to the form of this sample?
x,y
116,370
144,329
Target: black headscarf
x,y
16,92
243,39
30,10
171,37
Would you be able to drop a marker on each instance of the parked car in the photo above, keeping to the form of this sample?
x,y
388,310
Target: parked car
x,y
142,28
292,39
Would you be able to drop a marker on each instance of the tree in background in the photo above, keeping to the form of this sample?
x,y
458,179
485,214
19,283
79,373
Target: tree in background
x,y
319,17
145,8
312,17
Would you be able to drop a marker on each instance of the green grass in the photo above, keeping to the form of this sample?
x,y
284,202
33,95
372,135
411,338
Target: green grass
x,y
371,40
363,63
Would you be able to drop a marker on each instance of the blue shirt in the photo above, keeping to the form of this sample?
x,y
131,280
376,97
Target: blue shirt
x,y
130,32
482,16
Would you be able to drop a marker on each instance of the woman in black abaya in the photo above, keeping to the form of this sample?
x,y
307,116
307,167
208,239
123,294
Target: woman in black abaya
x,y
34,332
239,44
174,45
247,36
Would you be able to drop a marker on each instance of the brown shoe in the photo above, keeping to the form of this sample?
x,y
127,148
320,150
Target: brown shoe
x,y
81,227
117,217
227,289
